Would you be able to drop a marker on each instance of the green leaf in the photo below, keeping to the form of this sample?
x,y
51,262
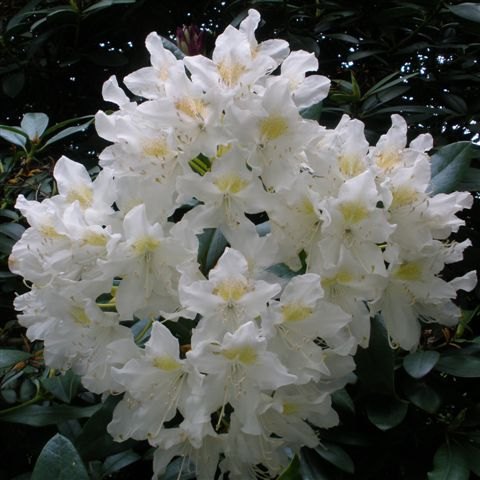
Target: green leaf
x,y
343,401
172,47
11,214
355,86
421,395
344,38
336,456
41,415
94,442
12,230
67,132
468,10
64,387
212,244
6,245
363,54
4,274
471,180
472,455
116,462
456,103
292,472
105,4
386,412
179,469
312,467
459,365
34,124
11,357
375,364
449,166
384,96
13,135
418,364
313,112
60,461
22,14
449,463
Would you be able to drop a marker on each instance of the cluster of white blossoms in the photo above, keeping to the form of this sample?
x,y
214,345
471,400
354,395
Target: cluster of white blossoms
x,y
353,225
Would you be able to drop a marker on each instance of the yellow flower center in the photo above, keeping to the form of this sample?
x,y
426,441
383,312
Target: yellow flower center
x,y
156,148
408,272
230,183
192,107
50,231
341,277
230,73
353,212
273,127
403,196
289,408
246,354
295,312
166,363
82,194
231,290
350,165
223,149
145,245
95,239
306,207
388,160
80,317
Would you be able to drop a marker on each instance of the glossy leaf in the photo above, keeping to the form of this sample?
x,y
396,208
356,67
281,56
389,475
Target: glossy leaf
x,y
459,365
449,463
34,124
12,230
472,455
471,180
13,135
418,364
172,47
292,472
375,364
467,10
6,244
94,442
312,466
343,401
386,412
421,395
64,387
388,82
102,4
212,245
11,357
41,415
384,96
68,131
59,460
449,166
116,462
336,456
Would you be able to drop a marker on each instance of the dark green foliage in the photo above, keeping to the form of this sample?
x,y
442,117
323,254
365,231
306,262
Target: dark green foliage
x,y
409,416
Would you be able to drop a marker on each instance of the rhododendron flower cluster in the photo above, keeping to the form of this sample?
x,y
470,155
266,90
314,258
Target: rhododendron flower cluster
x,y
322,232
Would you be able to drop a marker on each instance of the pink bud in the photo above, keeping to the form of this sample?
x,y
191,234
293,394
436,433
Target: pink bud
x,y
191,40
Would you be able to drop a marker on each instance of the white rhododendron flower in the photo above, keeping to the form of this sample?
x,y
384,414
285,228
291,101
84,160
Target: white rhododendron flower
x,y
248,247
